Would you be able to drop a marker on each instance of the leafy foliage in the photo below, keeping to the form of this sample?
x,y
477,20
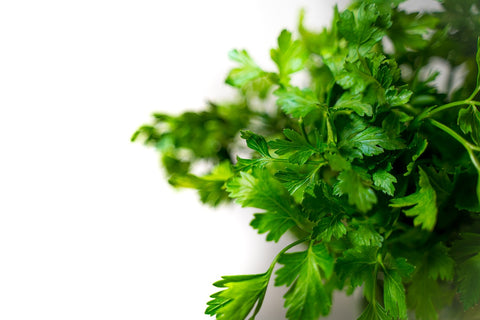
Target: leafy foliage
x,y
370,164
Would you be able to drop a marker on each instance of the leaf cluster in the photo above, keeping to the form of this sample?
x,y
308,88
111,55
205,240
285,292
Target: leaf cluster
x,y
371,165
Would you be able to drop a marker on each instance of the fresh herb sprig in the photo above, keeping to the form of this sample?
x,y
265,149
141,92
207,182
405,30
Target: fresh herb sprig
x,y
371,166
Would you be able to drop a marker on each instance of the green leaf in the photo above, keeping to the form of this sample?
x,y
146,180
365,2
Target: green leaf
x,y
210,186
353,102
256,142
356,185
358,266
297,182
297,103
296,145
260,190
469,122
330,226
303,272
290,56
424,294
469,281
246,72
466,253
374,311
241,295
421,296
424,202
365,236
395,98
394,294
358,139
384,180
419,145
363,31
275,224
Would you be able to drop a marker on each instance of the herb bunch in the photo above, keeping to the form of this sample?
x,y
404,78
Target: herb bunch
x,y
367,162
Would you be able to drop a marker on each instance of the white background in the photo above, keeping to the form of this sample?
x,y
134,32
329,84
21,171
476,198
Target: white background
x,y
89,228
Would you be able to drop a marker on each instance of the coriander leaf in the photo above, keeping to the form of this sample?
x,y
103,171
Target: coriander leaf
x,y
423,201
424,293
358,265
260,190
322,203
395,122
466,253
395,98
296,145
469,122
290,56
356,185
355,76
439,263
303,272
210,186
276,224
374,311
363,31
394,294
469,281
419,145
353,102
250,164
330,226
297,103
384,181
297,182
358,139
337,162
365,235
248,70
421,296
241,295
256,142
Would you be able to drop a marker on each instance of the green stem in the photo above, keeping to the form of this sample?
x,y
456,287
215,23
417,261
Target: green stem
x,y
290,246
304,132
474,93
427,113
470,147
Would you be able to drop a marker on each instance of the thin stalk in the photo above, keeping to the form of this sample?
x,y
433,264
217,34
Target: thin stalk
x,y
470,147
427,113
269,273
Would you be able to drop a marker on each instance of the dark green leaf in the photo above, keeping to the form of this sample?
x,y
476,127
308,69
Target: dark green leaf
x,y
356,185
331,226
296,145
353,102
358,139
384,180
423,203
469,122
